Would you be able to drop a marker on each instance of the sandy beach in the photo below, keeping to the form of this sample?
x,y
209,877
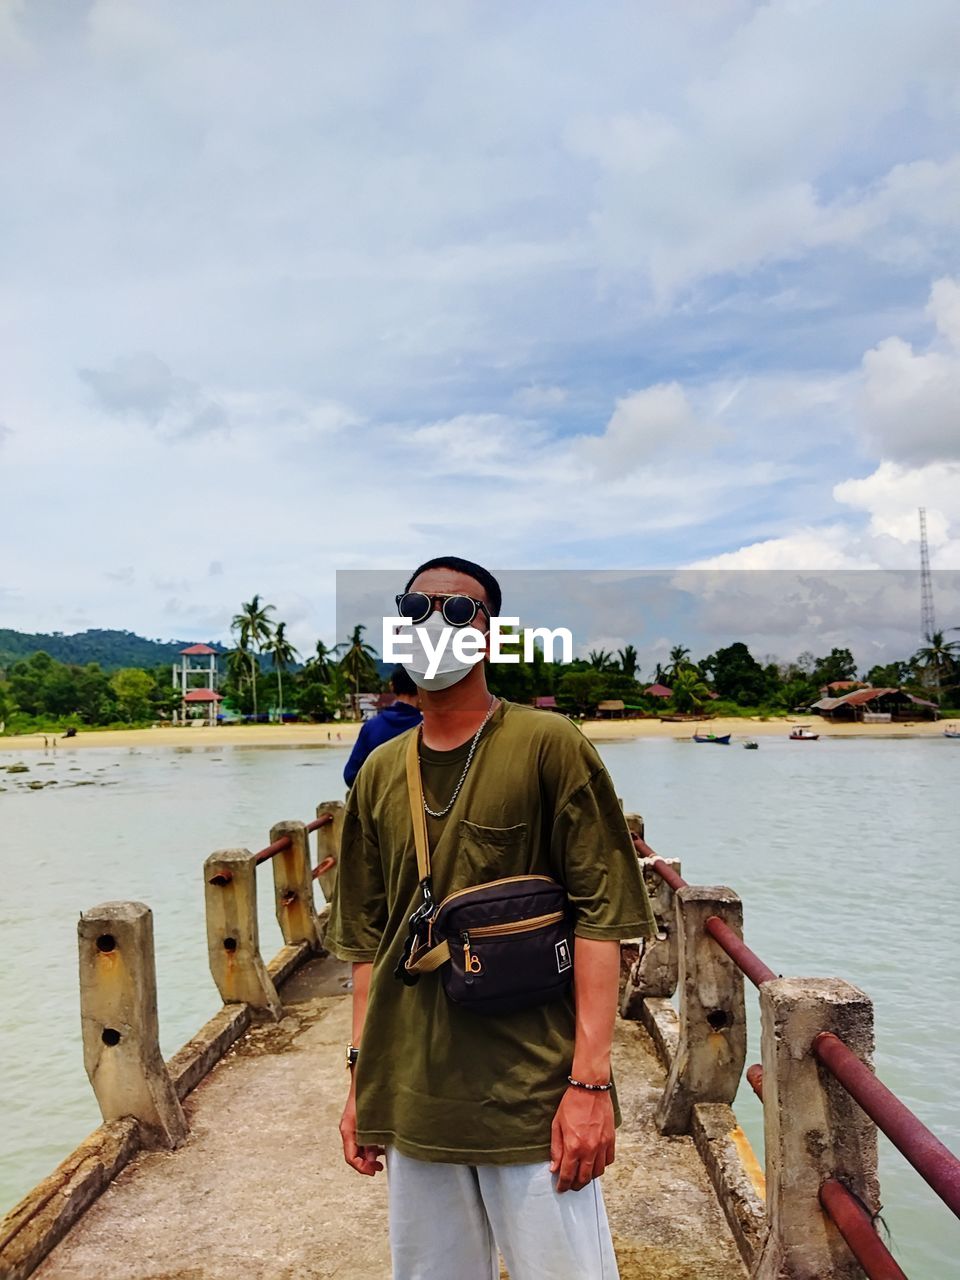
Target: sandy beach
x,y
341,735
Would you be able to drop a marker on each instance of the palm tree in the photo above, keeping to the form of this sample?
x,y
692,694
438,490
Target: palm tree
x,y
689,690
283,653
600,660
254,628
628,660
320,662
358,663
937,657
678,661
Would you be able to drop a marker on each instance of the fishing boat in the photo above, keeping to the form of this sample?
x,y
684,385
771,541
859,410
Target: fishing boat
x,y
720,739
802,733
952,731
751,745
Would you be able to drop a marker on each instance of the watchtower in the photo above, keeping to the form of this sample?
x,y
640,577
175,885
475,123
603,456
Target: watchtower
x,y
185,678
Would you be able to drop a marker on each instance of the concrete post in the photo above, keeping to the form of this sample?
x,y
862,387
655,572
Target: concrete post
x,y
813,1130
233,935
655,967
293,886
118,1012
712,1045
328,846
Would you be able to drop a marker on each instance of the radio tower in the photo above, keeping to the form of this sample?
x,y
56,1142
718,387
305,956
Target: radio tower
x,y
927,621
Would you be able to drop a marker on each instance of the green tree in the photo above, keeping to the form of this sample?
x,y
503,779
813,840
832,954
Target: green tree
x,y
628,661
737,675
283,653
580,691
890,675
679,661
690,693
320,662
937,662
839,664
600,660
358,662
133,689
253,628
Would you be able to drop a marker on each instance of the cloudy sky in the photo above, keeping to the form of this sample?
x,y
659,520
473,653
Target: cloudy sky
x,y
292,289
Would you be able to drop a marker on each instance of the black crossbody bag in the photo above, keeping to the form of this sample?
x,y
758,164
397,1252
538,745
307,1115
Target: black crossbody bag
x,y
499,947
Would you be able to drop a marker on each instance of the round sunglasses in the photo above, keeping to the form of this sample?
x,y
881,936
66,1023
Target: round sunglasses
x,y
457,610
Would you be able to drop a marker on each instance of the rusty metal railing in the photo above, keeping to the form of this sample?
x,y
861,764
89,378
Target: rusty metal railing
x,y
284,842
935,1163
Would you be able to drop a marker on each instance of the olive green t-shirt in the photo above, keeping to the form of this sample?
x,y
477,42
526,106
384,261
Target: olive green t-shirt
x,y
437,1081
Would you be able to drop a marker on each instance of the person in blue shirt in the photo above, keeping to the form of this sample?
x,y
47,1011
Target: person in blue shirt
x,y
391,721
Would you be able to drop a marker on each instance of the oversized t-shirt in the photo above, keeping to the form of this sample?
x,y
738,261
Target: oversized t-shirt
x,y
437,1081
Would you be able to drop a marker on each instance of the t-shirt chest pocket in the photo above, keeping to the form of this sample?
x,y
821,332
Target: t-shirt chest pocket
x,y
490,853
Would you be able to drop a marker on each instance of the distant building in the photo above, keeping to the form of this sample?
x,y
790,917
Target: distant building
x,y
837,687
658,691
876,706
197,682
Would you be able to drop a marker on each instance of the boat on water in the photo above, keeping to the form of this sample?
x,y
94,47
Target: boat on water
x,y
803,733
751,744
951,731
720,739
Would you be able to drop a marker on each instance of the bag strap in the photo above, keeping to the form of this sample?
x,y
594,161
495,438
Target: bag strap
x,y
423,958
417,811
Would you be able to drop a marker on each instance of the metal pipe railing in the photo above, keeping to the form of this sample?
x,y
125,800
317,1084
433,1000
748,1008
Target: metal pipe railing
x,y
755,1079
856,1226
283,843
746,961
935,1163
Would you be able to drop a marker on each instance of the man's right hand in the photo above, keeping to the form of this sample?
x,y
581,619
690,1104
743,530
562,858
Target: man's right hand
x,y
363,1159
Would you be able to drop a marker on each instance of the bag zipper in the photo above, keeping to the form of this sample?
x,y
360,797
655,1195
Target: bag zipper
x,y
489,885
472,964
516,926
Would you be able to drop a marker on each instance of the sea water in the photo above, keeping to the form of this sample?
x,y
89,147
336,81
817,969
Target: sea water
x,y
843,851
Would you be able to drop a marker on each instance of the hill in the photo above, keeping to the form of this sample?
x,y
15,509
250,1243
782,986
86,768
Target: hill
x,y
111,649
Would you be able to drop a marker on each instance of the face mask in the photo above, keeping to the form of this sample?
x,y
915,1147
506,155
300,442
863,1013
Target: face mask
x,y
445,667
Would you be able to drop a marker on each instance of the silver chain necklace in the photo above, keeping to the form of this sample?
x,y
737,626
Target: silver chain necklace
x,y
442,813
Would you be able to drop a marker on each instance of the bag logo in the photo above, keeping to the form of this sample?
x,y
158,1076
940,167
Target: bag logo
x,y
564,959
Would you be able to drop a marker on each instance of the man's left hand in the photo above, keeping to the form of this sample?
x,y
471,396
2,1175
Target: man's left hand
x,y
582,1138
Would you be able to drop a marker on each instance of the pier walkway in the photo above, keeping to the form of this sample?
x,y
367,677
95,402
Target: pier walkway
x,y
226,1161
260,1189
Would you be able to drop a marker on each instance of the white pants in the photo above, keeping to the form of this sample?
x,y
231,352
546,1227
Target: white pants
x,y
450,1219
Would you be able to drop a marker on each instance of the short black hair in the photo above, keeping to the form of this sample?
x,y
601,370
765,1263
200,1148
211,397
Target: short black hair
x,y
486,579
401,683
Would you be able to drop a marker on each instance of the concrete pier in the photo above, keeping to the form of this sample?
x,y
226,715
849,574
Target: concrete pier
x,y
259,1188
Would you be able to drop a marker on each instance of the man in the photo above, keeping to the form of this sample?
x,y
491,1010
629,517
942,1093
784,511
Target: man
x,y
401,715
495,1129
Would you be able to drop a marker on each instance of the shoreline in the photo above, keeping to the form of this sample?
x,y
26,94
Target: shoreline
x,y
344,735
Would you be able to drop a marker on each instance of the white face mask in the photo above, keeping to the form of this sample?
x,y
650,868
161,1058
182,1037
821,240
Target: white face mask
x,y
445,668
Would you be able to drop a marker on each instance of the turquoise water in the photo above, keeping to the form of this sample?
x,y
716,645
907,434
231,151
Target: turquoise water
x,y
843,851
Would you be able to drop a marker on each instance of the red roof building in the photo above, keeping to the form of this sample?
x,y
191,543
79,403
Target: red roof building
x,y
197,650
203,695
658,691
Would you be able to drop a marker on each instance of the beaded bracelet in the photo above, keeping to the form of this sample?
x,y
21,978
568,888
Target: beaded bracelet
x,y
591,1088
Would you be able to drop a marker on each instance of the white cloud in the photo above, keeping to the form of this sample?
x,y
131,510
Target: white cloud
x,y
910,405
644,425
427,318
821,548
535,398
